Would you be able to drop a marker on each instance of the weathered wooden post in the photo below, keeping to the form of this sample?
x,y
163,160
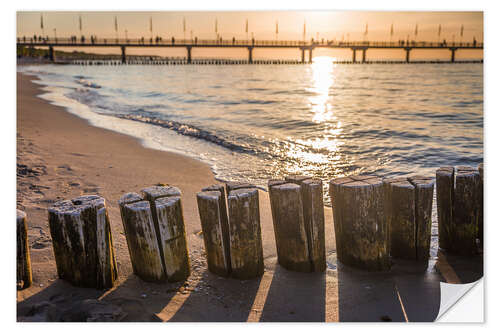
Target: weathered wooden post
x,y
230,186
168,219
224,220
173,238
83,246
141,237
458,199
211,217
466,210
24,276
408,209
480,227
401,219
247,260
311,193
289,228
444,196
314,219
360,228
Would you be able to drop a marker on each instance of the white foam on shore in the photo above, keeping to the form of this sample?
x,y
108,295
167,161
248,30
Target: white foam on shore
x,y
150,136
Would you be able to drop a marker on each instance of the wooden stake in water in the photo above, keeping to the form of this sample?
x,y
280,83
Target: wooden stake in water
x,y
24,276
480,227
360,227
83,246
247,260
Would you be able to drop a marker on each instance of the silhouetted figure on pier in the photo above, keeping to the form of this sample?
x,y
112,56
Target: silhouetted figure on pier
x,y
173,40
196,40
234,40
83,39
474,42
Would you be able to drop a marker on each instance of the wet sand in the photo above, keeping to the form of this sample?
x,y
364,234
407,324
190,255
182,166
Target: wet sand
x,y
60,156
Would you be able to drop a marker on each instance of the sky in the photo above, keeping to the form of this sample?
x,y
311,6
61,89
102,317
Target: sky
x,y
323,24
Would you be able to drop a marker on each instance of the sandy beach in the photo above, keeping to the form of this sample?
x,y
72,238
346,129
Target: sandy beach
x,y
61,156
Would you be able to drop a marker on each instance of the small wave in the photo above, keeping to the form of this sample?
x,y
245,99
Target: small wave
x,y
191,131
88,84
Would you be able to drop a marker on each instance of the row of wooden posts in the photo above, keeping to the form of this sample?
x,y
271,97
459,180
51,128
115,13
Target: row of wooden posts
x,y
375,220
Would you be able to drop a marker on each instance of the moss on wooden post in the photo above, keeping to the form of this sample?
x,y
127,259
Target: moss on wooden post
x,y
141,238
247,260
24,276
360,227
83,246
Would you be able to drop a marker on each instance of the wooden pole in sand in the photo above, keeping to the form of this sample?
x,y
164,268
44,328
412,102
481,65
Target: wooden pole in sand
x,y
444,196
173,237
314,218
141,237
466,210
169,226
24,276
424,194
224,220
215,237
247,260
408,209
83,246
289,228
360,228
458,199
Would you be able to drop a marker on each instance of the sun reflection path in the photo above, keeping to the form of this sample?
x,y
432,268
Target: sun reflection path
x,y
318,153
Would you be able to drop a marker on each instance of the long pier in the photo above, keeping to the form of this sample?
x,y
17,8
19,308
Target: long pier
x,y
250,45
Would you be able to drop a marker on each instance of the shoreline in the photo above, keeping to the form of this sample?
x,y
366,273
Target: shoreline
x,y
61,156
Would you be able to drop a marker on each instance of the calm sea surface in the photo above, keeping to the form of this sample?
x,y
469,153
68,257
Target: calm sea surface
x,y
252,123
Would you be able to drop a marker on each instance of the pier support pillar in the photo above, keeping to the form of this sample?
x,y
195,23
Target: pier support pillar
x,y
124,55
407,49
311,55
52,54
453,49
250,58
353,56
364,56
189,54
303,55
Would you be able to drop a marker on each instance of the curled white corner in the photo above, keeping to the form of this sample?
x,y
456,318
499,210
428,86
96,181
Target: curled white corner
x,y
457,307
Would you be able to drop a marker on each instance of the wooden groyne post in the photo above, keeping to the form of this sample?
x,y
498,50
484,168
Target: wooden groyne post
x,y
361,231
458,202
215,228
247,260
302,204
408,211
141,238
24,275
154,227
83,246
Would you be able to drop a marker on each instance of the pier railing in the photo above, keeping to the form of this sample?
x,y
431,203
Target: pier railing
x,y
172,42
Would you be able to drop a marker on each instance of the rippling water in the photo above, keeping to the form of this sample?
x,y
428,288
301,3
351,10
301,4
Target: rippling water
x,y
252,123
